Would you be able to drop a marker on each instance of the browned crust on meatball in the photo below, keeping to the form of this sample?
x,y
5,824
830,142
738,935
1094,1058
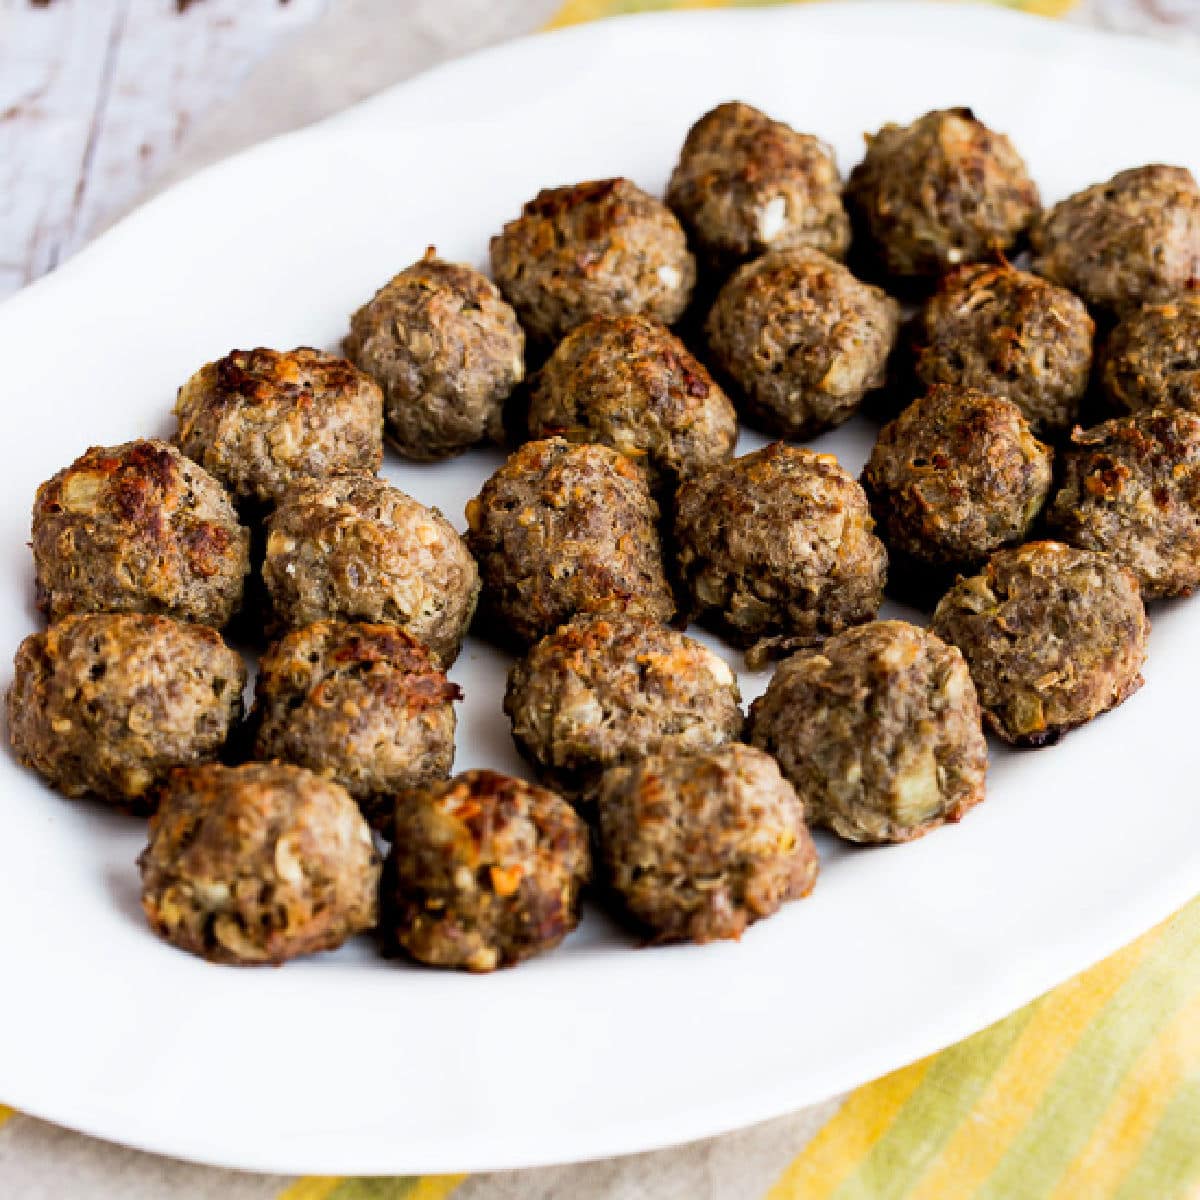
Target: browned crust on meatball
x,y
257,864
1152,358
485,871
138,528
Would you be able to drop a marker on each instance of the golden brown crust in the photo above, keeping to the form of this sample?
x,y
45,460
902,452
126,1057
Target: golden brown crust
x,y
1152,358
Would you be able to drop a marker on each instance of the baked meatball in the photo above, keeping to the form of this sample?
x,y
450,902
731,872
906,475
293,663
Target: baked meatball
x,y
955,476
940,192
447,351
258,864
1053,636
700,845
746,184
485,871
560,529
608,688
365,705
138,528
1152,359
803,340
777,549
355,548
601,248
260,420
629,383
1131,240
1011,334
879,730
1131,488
107,703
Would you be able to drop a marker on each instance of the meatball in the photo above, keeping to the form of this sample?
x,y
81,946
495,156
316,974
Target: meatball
x,y
1011,334
746,184
629,383
601,248
560,529
363,704
447,351
700,845
107,703
1053,636
940,192
777,549
138,528
1131,488
612,688
356,548
1131,240
803,340
1152,359
257,864
485,871
955,476
260,420
879,730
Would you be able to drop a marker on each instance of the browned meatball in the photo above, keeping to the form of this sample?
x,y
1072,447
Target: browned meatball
x,y
108,703
561,529
1131,240
1011,334
600,248
746,184
138,528
629,383
447,351
776,548
613,687
1053,636
356,548
485,871
1131,488
879,730
803,340
258,864
940,192
955,476
260,420
363,704
698,846
1152,359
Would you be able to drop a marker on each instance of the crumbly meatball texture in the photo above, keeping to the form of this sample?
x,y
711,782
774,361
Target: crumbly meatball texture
x,y
955,476
879,730
803,340
1009,333
107,704
138,528
355,548
560,529
698,846
610,688
258,864
485,871
943,191
1053,636
600,248
746,184
260,420
629,383
365,705
1132,240
1131,488
446,349
777,549
1152,359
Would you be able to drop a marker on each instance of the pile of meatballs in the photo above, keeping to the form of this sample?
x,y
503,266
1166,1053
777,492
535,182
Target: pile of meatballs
x,y
1034,483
